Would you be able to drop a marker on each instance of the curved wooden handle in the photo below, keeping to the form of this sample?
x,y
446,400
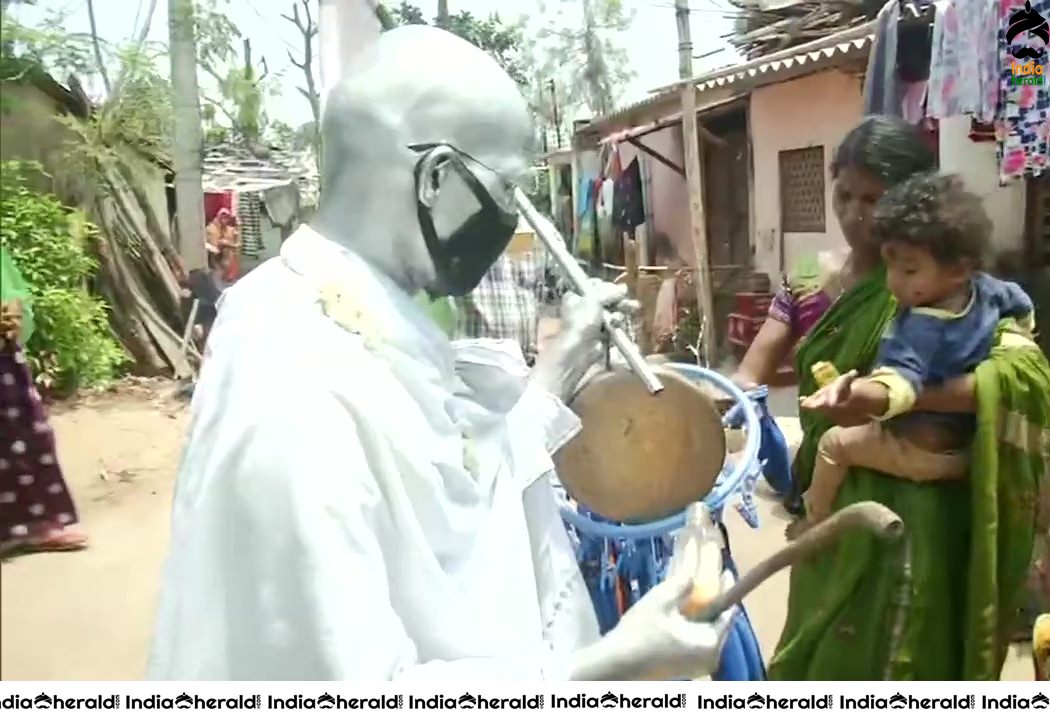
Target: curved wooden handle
x,y
871,516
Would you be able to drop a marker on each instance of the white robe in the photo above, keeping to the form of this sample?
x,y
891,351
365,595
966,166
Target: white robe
x,y
325,524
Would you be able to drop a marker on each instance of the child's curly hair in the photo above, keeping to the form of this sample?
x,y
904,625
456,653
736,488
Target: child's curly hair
x,y
937,213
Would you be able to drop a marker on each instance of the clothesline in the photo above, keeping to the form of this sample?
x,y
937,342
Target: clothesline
x,y
954,58
664,268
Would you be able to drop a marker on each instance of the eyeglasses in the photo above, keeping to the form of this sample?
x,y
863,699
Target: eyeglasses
x,y
498,186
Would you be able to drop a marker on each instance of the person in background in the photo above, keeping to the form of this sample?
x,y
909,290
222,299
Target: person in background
x,y
506,304
224,247
939,604
36,508
875,155
933,234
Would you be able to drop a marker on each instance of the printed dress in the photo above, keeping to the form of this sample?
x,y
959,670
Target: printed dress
x,y
32,489
965,60
1023,128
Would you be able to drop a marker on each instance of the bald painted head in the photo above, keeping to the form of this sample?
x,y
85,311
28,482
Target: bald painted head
x,y
415,89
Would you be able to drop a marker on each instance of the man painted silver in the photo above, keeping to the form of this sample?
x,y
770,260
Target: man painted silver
x,y
360,499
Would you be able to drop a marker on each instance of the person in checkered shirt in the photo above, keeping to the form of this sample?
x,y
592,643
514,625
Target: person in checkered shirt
x,y
506,305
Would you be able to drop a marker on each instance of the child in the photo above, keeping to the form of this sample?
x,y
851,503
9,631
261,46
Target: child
x,y
932,234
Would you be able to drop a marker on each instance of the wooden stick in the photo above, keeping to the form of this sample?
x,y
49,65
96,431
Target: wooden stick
x,y
694,174
870,516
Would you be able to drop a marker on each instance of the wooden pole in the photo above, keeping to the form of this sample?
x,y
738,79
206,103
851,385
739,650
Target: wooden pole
x,y
685,40
694,181
641,335
630,255
187,141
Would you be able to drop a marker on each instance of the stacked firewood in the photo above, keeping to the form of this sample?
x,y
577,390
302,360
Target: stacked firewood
x,y
762,27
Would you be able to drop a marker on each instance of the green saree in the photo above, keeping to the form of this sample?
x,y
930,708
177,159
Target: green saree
x,y
940,604
14,287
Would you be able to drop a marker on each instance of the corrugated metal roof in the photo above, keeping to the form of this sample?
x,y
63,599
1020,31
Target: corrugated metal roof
x,y
675,118
854,40
845,47
232,167
848,44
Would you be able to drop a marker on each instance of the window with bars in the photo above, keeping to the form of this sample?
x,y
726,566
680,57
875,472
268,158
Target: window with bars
x,y
802,190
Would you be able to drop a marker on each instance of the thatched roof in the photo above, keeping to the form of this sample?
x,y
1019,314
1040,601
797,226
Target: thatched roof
x,y
233,166
762,27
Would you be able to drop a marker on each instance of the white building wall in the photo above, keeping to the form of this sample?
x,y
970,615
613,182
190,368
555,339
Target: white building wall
x,y
975,162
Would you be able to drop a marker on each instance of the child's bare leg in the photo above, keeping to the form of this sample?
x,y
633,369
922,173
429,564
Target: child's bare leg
x,y
836,453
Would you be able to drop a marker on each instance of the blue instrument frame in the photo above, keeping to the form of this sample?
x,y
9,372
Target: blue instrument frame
x,y
643,549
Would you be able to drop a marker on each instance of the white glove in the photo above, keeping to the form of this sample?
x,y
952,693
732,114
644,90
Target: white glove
x,y
561,366
654,641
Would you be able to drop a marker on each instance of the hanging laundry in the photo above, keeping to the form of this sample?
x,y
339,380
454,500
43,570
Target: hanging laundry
x,y
913,101
606,193
613,164
628,208
900,56
1023,126
965,64
914,41
584,196
880,80
608,233
249,208
609,245
281,204
585,212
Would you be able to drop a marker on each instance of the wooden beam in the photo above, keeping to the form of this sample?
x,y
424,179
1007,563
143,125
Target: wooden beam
x,y
658,156
695,182
711,137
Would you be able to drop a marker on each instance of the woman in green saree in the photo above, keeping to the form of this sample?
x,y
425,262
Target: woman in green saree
x,y
940,605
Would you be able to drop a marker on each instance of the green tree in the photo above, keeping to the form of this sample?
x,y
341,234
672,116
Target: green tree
x,y
132,256
407,14
576,47
225,55
505,42
52,246
286,137
500,39
26,50
308,30
579,47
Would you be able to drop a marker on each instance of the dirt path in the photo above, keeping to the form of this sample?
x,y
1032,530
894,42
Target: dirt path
x,y
89,615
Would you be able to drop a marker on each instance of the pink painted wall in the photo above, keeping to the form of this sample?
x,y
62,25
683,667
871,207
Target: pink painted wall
x,y
813,110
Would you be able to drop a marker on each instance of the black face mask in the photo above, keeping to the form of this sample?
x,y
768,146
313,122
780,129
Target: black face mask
x,y
462,259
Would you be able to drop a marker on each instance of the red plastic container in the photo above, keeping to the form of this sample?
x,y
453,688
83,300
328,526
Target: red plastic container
x,y
753,304
743,329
